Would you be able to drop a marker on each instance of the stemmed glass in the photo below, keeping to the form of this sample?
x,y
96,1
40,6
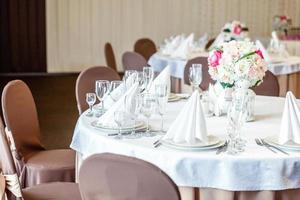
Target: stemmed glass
x,y
102,87
141,81
132,106
148,77
147,108
195,76
90,99
120,118
161,92
116,90
129,78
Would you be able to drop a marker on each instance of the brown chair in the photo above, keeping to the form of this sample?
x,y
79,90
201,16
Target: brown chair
x,y
35,165
146,47
110,56
55,190
206,79
121,177
269,86
133,61
209,43
86,83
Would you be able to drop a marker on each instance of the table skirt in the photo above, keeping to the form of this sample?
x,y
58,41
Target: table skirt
x,y
188,193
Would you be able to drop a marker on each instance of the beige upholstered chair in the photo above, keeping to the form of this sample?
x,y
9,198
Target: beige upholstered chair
x,y
116,177
133,61
206,79
34,164
269,86
110,56
10,185
86,83
146,47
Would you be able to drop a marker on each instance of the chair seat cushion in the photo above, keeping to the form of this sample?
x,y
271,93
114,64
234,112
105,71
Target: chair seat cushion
x,y
53,191
49,166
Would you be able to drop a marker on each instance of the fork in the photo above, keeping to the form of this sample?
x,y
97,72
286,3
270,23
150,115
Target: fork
x,y
260,143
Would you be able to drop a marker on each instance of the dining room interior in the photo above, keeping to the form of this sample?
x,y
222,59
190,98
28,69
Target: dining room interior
x,y
153,100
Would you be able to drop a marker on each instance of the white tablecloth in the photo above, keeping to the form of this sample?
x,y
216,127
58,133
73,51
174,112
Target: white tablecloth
x,y
292,46
255,169
159,62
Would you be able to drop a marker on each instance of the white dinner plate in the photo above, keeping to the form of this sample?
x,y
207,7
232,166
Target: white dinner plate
x,y
138,125
213,142
289,145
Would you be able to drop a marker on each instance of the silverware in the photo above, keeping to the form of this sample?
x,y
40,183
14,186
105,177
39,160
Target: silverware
x,y
124,133
157,145
260,143
222,148
274,147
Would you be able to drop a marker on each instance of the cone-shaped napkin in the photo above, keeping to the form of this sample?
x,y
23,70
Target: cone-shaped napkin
x,y
184,48
171,45
189,126
117,92
107,119
290,122
265,53
162,78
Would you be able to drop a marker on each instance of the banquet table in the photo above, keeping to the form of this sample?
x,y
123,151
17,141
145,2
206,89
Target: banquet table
x,y
287,70
257,172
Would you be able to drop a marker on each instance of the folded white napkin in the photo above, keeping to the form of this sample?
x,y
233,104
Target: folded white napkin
x,y
275,39
162,78
107,119
171,44
190,125
203,41
185,48
265,53
290,122
108,101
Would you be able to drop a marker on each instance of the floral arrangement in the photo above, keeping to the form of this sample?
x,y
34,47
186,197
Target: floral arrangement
x,y
235,30
236,61
280,23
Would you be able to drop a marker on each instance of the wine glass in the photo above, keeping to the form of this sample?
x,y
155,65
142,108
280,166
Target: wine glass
x,y
102,87
147,108
195,76
116,90
120,118
90,99
141,81
161,92
132,106
129,78
148,77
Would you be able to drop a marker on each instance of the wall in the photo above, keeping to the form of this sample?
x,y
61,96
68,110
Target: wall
x,y
78,29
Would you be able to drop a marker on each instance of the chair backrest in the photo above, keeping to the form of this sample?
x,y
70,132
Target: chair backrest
x,y
21,118
121,177
209,43
269,86
206,79
133,61
86,83
146,47
110,56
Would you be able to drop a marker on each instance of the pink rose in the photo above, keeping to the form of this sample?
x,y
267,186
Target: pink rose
x,y
237,29
283,18
214,60
258,52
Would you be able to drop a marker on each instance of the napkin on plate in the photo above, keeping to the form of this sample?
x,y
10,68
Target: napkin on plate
x,y
108,101
107,119
203,41
162,78
265,53
290,122
185,48
189,126
171,44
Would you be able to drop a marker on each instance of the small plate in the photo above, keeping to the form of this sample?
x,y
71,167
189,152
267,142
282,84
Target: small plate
x,y
289,145
137,125
213,142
